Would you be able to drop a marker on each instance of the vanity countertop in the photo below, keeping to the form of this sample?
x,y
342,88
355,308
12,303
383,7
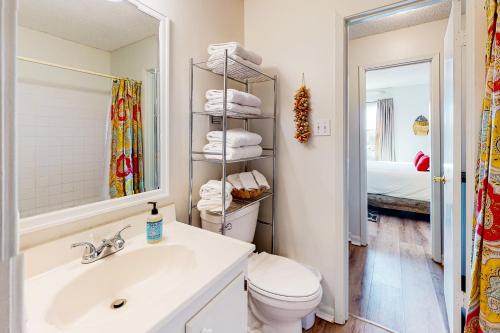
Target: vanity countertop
x,y
158,282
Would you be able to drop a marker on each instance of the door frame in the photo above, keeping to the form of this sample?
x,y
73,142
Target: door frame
x,y
341,89
435,115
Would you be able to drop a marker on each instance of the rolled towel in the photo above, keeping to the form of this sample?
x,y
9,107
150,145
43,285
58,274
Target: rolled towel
x,y
234,67
213,205
235,181
233,96
237,137
231,153
234,48
211,196
261,179
213,189
233,108
248,181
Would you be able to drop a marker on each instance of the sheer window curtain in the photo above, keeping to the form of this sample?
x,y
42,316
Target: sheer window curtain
x,y
385,130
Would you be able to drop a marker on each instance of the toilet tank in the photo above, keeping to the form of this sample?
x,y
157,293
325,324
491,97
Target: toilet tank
x,y
240,225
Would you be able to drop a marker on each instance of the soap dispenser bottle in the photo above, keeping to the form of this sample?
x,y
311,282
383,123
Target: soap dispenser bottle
x,y
154,225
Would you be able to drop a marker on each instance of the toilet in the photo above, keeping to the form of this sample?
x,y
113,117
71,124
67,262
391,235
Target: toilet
x,y
281,291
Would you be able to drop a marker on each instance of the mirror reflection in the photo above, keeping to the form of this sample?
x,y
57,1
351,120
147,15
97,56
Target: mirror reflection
x,y
87,100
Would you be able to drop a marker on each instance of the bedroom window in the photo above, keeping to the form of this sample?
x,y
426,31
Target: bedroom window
x,y
371,124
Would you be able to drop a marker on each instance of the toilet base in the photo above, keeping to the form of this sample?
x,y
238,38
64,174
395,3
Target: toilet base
x,y
258,323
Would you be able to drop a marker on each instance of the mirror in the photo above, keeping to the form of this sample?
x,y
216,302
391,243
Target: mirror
x,y
88,94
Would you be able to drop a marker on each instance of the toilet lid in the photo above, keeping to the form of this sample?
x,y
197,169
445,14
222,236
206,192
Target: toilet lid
x,y
281,276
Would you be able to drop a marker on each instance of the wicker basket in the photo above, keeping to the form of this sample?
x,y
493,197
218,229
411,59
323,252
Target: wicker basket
x,y
247,194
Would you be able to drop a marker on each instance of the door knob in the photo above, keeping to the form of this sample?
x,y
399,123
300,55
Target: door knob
x,y
441,180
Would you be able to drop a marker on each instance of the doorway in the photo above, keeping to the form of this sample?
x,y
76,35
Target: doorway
x,y
388,256
395,279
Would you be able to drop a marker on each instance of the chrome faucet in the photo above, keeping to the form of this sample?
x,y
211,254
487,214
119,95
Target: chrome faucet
x,y
107,247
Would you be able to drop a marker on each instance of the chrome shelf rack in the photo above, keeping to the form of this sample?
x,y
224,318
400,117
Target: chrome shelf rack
x,y
239,72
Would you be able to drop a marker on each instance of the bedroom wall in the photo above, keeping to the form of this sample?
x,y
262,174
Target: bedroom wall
x,y
417,41
409,103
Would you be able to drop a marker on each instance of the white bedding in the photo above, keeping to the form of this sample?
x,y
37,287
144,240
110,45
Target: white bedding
x,y
398,179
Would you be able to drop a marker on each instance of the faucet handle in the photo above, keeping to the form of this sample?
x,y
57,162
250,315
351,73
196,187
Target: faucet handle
x,y
119,232
117,238
90,250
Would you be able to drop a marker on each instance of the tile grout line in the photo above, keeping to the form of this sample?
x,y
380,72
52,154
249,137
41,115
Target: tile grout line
x,y
372,323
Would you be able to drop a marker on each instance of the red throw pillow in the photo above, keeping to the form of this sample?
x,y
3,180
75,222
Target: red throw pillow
x,y
423,163
418,157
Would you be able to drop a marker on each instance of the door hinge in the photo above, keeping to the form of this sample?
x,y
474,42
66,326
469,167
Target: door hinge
x,y
245,285
465,300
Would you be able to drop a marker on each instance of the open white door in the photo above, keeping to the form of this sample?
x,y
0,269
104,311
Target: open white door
x,y
451,140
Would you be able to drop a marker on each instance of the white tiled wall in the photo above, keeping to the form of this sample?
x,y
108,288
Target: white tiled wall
x,y
61,143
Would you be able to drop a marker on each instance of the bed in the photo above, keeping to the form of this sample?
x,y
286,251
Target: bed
x,y
398,186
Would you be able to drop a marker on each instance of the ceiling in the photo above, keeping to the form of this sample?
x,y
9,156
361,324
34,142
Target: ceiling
x,y
401,76
100,24
435,12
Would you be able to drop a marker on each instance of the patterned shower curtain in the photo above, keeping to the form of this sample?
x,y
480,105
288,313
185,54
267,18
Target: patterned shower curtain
x,y
484,305
126,172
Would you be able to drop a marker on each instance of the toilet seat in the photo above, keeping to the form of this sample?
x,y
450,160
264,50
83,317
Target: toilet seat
x,y
282,279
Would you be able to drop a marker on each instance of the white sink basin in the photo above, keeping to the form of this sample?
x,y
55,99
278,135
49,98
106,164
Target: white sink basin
x,y
128,276
158,282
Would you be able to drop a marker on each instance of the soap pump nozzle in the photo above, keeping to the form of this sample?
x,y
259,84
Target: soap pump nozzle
x,y
154,211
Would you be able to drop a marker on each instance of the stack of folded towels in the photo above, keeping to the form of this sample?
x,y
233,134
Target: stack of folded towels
x,y
239,144
248,181
238,102
236,53
211,196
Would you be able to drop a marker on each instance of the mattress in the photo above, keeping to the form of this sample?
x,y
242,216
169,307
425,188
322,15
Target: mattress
x,y
398,179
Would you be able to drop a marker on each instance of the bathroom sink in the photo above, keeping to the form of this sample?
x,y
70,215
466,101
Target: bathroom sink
x,y
137,289
132,278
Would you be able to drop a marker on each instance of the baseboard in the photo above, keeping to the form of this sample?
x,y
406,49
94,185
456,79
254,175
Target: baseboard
x,y
325,312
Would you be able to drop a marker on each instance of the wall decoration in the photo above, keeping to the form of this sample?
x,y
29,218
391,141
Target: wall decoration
x,y
302,109
421,126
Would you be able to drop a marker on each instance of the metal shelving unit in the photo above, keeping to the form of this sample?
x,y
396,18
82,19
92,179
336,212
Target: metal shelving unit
x,y
239,72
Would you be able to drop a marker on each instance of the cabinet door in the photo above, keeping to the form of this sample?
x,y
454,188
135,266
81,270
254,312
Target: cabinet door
x,y
226,312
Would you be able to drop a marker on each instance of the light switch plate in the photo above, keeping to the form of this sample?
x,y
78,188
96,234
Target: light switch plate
x,y
321,127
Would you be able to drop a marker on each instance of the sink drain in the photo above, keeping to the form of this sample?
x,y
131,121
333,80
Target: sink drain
x,y
118,303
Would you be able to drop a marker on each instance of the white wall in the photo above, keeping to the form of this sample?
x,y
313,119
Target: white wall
x,y
61,117
194,24
293,37
418,41
409,103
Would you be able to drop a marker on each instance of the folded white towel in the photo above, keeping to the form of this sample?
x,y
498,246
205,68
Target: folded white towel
x,y
234,67
233,96
236,137
234,48
248,181
211,196
233,108
261,179
231,153
235,181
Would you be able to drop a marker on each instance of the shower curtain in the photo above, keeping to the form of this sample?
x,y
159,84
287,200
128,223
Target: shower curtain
x,y
483,313
126,168
384,141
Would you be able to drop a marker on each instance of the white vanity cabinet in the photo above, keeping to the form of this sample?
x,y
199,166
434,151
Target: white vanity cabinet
x,y
226,312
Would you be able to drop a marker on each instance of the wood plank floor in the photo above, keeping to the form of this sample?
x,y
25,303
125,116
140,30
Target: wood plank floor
x,y
394,281
352,326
